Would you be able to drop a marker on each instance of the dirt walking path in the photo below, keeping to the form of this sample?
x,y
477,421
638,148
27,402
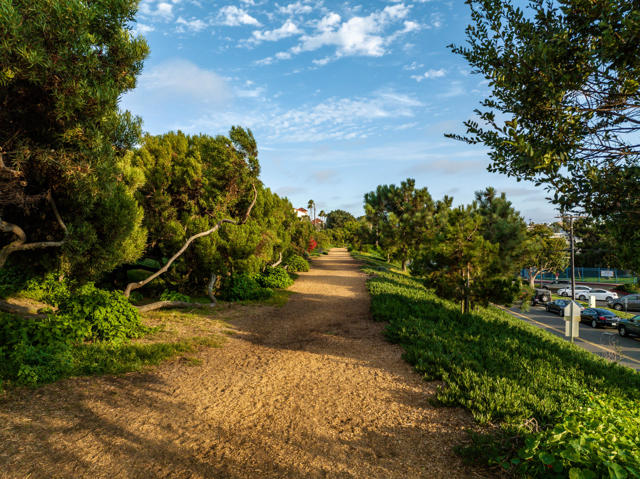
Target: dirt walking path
x,y
308,390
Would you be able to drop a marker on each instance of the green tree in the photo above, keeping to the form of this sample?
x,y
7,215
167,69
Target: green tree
x,y
191,183
66,181
404,221
502,225
564,108
545,252
375,209
338,219
457,259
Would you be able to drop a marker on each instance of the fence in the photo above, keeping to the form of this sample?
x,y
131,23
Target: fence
x,y
590,275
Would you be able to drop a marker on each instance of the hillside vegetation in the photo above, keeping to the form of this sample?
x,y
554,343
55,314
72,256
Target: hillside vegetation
x,y
553,409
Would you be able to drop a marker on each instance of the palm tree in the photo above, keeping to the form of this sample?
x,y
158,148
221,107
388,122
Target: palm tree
x,y
312,206
323,215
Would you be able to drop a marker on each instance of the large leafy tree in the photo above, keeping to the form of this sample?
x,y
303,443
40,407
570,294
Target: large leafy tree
x,y
544,252
66,182
338,219
564,108
191,183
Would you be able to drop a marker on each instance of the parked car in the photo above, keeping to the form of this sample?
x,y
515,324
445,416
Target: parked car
x,y
580,291
630,326
557,284
599,317
541,296
558,306
630,302
600,294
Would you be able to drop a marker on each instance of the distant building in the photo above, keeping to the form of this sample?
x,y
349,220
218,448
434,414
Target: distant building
x,y
317,222
301,212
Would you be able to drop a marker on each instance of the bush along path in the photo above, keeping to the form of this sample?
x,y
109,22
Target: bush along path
x,y
307,390
561,411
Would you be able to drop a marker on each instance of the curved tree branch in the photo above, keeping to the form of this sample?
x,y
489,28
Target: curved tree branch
x,y
20,243
277,262
139,284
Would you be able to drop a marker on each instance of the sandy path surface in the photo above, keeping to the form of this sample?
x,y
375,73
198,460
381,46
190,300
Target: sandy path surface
x,y
308,390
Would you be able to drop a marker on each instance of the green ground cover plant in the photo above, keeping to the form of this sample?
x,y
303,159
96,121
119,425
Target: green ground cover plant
x,y
274,278
297,263
546,395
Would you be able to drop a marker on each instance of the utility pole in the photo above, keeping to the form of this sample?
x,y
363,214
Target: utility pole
x,y
573,267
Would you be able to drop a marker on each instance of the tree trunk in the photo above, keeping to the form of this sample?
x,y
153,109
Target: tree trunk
x,y
532,278
466,306
404,265
131,286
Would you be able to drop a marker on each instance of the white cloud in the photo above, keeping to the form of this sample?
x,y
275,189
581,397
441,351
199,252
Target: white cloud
x,y
296,8
288,29
332,119
142,29
360,35
153,8
430,74
194,25
233,16
182,79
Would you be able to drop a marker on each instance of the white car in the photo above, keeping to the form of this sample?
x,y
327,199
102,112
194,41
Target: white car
x,y
600,294
580,291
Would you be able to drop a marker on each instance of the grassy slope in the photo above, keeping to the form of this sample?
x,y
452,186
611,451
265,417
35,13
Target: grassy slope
x,y
500,368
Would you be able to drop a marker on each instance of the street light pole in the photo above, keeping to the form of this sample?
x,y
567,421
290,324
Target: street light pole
x,y
573,261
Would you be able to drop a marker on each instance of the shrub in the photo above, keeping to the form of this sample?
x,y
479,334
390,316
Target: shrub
x,y
50,289
168,295
109,314
33,351
243,286
11,280
297,263
274,278
629,288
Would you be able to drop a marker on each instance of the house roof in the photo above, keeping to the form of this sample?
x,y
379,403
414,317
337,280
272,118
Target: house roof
x,y
301,210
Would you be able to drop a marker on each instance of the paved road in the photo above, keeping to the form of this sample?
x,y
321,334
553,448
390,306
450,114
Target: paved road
x,y
605,342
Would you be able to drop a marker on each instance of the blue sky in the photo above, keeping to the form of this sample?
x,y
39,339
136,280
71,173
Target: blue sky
x,y
341,96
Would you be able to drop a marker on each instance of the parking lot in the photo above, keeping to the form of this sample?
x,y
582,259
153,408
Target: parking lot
x,y
605,342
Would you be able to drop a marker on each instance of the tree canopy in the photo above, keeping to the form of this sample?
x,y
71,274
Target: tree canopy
x,y
65,173
564,108
338,219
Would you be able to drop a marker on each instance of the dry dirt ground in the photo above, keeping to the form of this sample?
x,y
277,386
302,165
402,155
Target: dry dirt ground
x,y
307,390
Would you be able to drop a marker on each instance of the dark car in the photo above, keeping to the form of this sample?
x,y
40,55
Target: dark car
x,y
598,317
630,326
630,302
541,296
557,306
557,284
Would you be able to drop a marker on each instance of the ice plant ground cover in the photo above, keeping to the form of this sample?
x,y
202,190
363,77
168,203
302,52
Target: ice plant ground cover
x,y
559,410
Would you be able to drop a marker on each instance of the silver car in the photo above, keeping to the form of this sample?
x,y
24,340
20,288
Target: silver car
x,y
580,291
630,302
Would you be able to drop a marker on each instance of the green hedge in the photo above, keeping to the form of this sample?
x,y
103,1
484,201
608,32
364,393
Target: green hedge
x,y
505,370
